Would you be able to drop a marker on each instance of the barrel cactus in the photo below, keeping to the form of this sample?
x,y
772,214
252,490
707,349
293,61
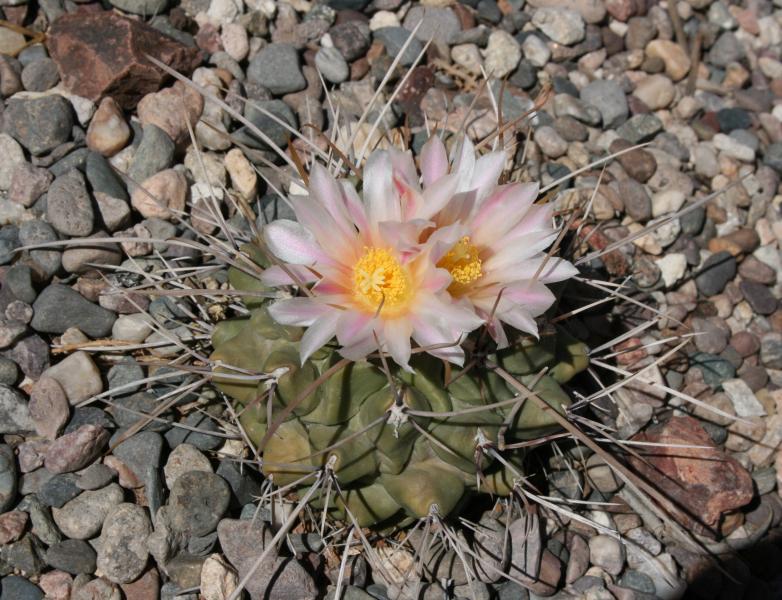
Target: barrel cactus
x,y
448,260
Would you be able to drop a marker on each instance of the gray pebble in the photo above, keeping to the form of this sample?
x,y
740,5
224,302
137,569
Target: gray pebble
x,y
47,260
59,307
122,548
40,124
271,128
102,177
198,500
14,587
8,475
71,556
277,67
154,154
40,75
716,272
332,65
59,489
9,372
14,414
69,206
394,38
609,99
141,7
82,517
202,441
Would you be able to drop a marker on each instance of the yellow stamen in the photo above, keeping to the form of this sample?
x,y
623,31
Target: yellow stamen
x,y
380,281
464,265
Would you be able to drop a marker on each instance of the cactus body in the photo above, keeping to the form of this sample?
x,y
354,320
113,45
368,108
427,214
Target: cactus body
x,y
391,462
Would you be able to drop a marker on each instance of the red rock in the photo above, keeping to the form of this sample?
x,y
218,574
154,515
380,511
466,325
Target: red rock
x,y
615,262
76,450
49,407
208,38
103,54
702,484
146,587
171,109
56,585
621,10
12,526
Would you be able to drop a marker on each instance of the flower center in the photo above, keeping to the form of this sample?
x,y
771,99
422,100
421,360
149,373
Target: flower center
x,y
380,281
463,263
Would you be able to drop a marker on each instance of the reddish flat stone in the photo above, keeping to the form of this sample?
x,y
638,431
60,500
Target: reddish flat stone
x,y
702,483
102,54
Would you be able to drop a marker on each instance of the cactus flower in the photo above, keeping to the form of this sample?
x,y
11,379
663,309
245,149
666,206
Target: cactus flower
x,y
497,266
375,287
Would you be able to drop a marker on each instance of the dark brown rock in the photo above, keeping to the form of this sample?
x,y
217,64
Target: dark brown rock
x,y
702,484
639,164
103,54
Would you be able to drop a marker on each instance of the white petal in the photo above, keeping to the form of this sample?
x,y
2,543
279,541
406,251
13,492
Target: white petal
x,y
380,196
301,312
488,169
291,242
434,160
397,338
428,334
320,332
276,276
437,195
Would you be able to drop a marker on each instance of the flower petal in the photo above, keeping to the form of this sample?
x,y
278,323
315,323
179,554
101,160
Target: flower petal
x,y
320,332
292,242
380,195
434,160
396,335
352,326
276,276
437,341
488,169
437,195
301,312
324,188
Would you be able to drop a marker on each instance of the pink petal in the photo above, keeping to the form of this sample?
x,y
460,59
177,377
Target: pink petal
x,y
434,160
320,332
502,211
510,254
291,242
535,298
464,164
354,206
437,195
428,334
403,236
556,269
324,188
276,276
353,326
519,318
456,318
403,166
380,197
301,312
396,335
488,169
316,219
360,348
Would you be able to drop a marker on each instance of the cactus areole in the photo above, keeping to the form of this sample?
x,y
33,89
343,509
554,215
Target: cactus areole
x,y
376,359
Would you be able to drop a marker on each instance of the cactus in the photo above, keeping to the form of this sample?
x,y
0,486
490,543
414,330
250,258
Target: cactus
x,y
398,442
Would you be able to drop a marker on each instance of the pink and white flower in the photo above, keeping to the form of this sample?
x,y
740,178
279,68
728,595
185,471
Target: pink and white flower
x,y
498,266
428,258
374,287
